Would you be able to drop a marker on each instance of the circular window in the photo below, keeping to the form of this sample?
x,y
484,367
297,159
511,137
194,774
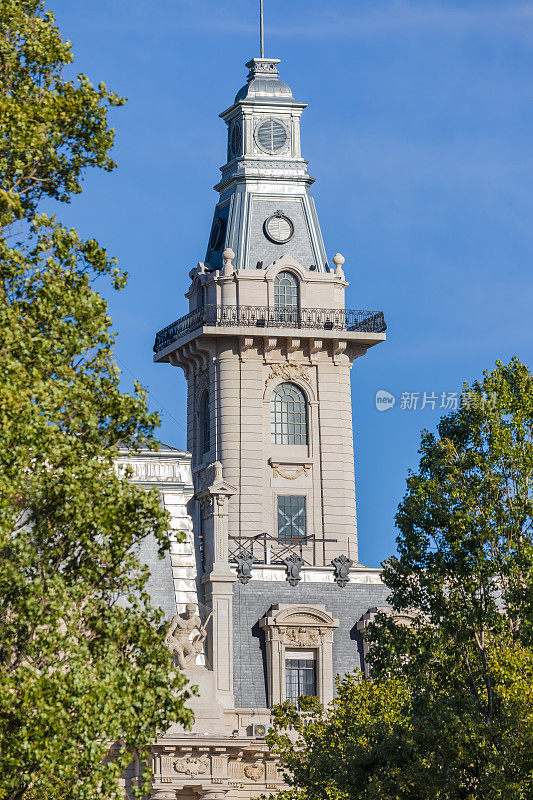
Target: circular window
x,y
278,228
271,136
218,234
236,139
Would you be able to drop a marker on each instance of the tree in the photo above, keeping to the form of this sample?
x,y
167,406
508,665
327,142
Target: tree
x,y
52,128
448,712
86,682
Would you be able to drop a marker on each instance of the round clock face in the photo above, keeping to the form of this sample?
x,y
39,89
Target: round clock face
x,y
271,136
278,228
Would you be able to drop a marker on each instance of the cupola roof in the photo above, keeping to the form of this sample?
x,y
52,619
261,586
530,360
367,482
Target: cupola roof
x,y
264,82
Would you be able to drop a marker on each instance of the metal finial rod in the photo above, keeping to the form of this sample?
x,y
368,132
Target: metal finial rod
x,y
262,28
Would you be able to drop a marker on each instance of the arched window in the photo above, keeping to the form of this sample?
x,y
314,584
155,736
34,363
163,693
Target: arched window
x,y
205,423
286,292
288,415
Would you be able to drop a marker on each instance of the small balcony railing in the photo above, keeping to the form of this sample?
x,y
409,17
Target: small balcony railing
x,y
266,549
266,317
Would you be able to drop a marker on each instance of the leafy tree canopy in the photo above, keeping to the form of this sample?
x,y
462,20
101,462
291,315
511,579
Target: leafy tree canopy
x,y
85,680
448,711
52,128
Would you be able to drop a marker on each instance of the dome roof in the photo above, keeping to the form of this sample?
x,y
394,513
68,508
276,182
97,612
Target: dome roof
x,y
263,81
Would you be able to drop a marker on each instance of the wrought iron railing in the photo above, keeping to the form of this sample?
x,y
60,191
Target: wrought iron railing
x,y
267,549
266,317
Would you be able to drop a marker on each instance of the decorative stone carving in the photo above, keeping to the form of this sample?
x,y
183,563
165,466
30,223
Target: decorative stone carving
x,y
341,570
254,771
302,637
293,345
288,372
270,344
207,504
190,765
209,475
297,626
245,563
186,636
297,472
339,347
246,343
294,564
338,260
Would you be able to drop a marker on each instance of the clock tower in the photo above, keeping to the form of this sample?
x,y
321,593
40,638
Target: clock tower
x,y
265,207
267,347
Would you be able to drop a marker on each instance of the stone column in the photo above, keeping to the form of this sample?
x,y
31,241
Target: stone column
x,y
219,596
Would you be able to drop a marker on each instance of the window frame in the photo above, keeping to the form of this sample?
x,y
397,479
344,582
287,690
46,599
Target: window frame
x,y
303,534
288,413
290,627
287,298
302,658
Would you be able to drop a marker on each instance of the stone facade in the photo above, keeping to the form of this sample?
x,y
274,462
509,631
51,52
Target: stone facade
x,y
266,598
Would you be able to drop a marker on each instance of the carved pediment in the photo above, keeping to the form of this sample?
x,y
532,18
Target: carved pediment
x,y
306,616
288,372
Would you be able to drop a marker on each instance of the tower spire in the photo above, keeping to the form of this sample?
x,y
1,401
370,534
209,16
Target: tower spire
x,y
262,28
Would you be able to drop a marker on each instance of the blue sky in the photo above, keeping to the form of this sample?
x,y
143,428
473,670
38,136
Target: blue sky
x,y
419,134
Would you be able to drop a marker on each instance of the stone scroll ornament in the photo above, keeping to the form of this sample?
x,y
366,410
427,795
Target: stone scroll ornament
x,y
341,570
245,562
294,566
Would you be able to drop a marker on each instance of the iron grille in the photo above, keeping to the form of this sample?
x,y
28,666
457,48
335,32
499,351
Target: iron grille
x,y
266,317
266,549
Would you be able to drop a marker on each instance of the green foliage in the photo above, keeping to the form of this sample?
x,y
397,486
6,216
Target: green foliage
x,y
449,710
52,128
349,750
465,545
86,682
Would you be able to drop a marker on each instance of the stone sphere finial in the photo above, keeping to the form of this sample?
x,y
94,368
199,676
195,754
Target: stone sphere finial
x,y
338,260
228,255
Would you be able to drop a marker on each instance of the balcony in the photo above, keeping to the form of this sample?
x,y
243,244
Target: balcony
x,y
264,549
328,319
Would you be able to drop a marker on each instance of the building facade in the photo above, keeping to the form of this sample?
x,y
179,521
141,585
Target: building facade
x,y
266,596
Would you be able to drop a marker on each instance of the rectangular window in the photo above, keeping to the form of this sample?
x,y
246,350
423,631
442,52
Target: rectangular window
x,y
300,674
291,517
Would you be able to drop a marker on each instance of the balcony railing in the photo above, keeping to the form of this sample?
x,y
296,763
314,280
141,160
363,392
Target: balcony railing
x,y
266,549
265,317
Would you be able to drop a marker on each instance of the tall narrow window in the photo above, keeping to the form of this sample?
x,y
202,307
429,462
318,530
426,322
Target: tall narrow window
x,y
288,415
292,523
199,295
300,674
286,298
205,423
